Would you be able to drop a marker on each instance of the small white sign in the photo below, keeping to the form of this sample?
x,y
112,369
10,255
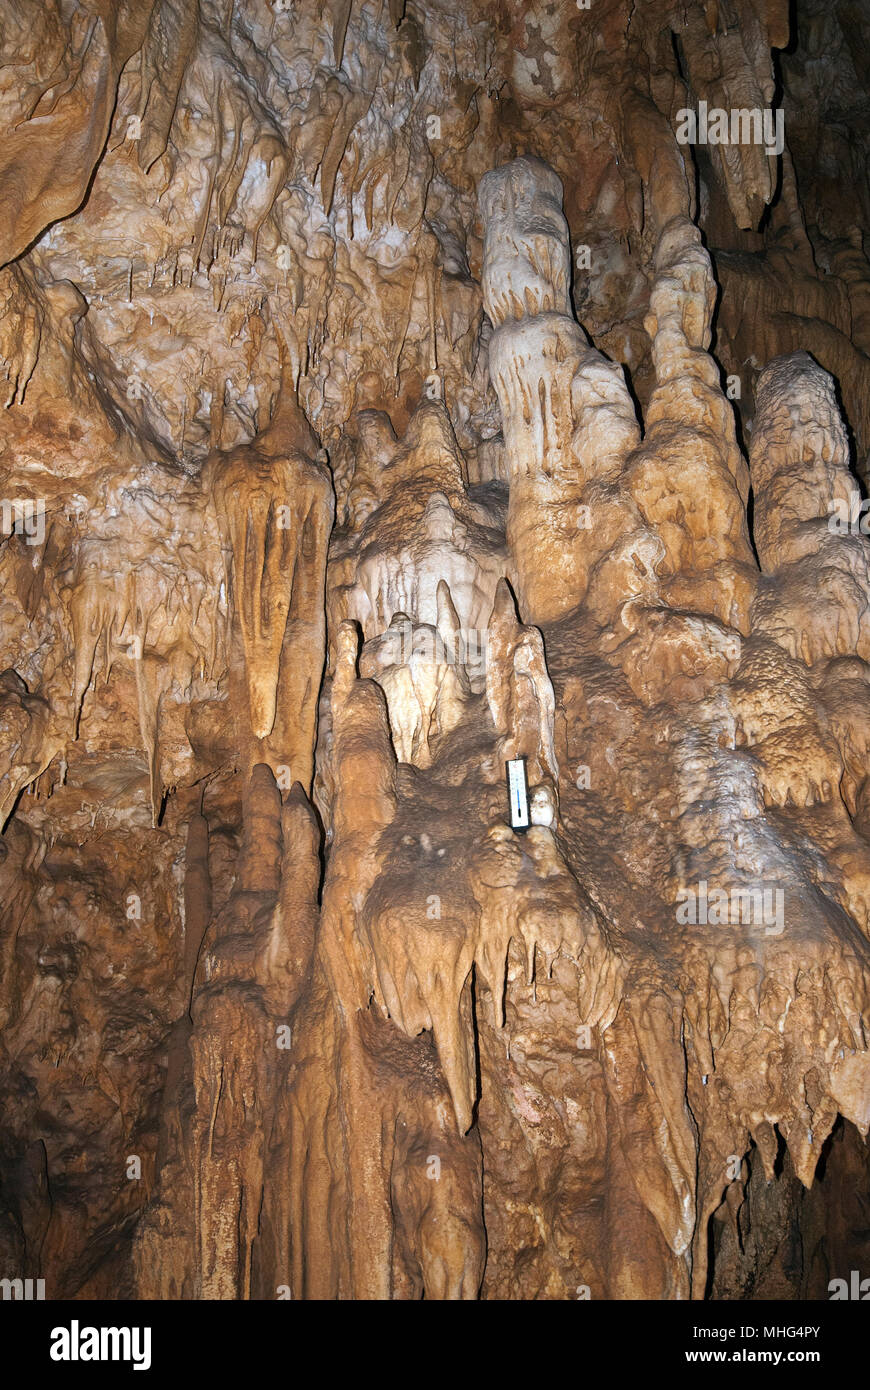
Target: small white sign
x,y
518,793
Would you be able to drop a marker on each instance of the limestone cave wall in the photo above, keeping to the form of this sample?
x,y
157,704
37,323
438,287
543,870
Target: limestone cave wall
x,y
393,390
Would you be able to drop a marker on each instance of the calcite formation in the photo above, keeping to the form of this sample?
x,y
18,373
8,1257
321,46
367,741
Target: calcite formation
x,y
393,391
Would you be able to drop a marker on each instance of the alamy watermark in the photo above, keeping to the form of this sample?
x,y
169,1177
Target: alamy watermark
x,y
22,1290
744,125
857,1289
760,906
404,641
77,1343
24,515
849,516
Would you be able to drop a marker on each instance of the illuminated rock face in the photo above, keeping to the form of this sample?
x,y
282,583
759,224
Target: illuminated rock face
x,y
319,505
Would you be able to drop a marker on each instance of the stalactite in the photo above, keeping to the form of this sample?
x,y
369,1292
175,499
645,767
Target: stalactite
x,y
391,399
275,507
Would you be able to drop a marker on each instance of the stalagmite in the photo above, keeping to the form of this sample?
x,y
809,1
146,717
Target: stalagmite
x,y
434,652
566,413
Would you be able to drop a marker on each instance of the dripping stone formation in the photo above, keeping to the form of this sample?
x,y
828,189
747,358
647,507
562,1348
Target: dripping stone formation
x,y
409,408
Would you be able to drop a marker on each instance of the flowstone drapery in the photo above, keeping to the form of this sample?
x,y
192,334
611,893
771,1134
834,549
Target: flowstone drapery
x,y
393,391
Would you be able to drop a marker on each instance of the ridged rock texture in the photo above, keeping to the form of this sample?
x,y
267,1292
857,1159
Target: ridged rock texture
x,y
393,390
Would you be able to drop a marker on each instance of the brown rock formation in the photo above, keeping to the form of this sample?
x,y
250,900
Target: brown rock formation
x,y
393,391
